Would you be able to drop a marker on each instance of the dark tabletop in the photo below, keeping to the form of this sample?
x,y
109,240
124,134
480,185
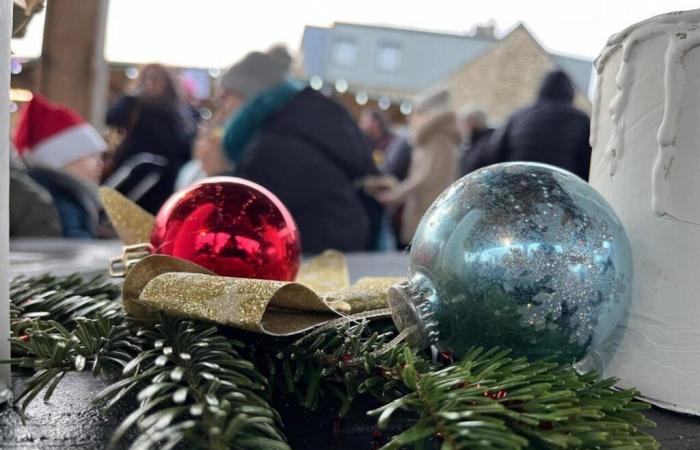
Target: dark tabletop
x,y
68,421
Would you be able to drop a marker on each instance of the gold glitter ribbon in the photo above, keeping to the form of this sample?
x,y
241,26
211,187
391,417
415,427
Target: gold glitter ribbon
x,y
184,289
328,272
320,293
132,223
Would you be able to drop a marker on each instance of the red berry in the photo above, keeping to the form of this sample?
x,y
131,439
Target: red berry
x,y
546,425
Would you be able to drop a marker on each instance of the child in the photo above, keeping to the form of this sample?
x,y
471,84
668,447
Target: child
x,y
63,153
41,220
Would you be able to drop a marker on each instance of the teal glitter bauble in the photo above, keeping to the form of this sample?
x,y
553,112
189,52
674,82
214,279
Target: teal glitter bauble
x,y
516,255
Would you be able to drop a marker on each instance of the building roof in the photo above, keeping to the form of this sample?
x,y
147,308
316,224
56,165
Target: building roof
x,y
350,51
411,30
505,77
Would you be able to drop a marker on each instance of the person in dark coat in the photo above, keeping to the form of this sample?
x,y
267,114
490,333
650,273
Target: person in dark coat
x,y
377,128
303,147
474,148
63,154
397,164
154,119
551,131
398,156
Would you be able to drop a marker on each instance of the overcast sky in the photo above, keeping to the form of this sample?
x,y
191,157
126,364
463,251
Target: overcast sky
x,y
215,33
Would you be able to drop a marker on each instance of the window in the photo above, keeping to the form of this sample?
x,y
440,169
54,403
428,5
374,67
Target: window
x,y
388,57
344,53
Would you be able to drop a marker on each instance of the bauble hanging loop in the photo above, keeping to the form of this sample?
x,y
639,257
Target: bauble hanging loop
x,y
131,254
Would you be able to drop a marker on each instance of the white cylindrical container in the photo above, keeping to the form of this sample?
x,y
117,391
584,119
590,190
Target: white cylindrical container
x,y
5,34
645,134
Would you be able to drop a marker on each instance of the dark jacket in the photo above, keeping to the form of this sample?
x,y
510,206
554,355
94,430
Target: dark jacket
x,y
551,131
77,202
398,157
475,151
32,212
311,154
152,128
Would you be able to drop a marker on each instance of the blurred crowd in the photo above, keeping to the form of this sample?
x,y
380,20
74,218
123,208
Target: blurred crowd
x,y
351,185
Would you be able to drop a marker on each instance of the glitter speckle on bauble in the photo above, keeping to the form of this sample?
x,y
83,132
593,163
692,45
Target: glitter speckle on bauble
x,y
517,255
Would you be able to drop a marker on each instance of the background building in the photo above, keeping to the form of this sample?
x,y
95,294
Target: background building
x,y
387,67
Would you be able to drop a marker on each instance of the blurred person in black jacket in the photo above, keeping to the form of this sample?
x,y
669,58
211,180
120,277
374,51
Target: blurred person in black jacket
x,y
154,119
303,147
475,140
551,131
377,127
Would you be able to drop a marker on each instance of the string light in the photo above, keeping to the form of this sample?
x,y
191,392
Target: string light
x,y
361,98
384,103
316,83
406,107
205,113
131,73
20,95
341,85
15,67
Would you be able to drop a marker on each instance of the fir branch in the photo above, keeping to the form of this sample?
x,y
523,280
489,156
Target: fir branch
x,y
343,362
62,299
193,386
51,350
489,400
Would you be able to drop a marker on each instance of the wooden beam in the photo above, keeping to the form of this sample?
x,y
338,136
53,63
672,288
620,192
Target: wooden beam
x,y
73,70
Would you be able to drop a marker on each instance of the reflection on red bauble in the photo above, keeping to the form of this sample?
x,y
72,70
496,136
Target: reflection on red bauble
x,y
232,227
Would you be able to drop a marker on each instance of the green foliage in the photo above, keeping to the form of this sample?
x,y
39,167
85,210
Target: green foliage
x,y
191,385
491,401
104,344
344,362
60,299
196,388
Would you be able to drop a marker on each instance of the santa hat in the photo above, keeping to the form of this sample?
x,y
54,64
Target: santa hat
x,y
53,135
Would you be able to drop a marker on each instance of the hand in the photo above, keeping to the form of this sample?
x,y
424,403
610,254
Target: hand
x,y
373,185
385,197
207,149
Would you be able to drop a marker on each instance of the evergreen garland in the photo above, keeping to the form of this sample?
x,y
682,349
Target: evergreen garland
x,y
204,387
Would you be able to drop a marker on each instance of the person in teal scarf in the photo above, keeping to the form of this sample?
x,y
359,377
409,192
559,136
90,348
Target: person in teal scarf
x,y
247,121
262,85
304,148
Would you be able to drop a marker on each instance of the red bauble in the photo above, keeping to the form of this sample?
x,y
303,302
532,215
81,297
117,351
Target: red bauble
x,y
232,227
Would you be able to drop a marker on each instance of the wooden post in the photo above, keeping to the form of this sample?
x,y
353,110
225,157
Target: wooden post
x,y
73,70
5,33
